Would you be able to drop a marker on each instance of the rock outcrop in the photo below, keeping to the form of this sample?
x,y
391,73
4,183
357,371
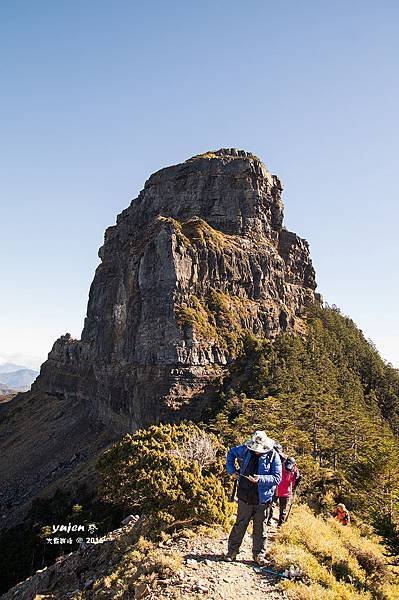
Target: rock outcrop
x,y
202,249
198,259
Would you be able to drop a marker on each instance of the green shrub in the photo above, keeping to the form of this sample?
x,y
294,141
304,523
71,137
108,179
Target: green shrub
x,y
156,473
218,318
331,401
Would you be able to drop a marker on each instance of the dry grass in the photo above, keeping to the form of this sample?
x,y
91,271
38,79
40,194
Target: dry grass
x,y
209,154
336,562
137,573
199,448
198,230
194,315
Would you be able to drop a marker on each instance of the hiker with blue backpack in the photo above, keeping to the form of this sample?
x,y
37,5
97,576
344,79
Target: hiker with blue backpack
x,y
257,468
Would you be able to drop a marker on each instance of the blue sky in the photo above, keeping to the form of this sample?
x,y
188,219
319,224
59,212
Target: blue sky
x,y
97,95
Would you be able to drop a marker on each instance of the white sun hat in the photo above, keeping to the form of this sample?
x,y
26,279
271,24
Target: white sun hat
x,y
260,442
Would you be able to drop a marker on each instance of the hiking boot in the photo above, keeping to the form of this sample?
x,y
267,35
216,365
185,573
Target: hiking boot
x,y
260,560
230,556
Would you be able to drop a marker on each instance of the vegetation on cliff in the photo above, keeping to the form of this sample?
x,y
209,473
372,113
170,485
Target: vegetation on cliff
x,y
217,318
332,402
230,152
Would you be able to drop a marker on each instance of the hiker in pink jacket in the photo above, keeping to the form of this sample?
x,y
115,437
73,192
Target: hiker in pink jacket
x,y
290,479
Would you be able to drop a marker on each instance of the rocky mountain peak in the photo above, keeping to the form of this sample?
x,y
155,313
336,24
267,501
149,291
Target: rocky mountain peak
x,y
201,245
197,261
231,189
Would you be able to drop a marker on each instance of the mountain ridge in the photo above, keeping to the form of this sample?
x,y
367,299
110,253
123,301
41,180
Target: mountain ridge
x,y
19,380
208,316
6,367
199,260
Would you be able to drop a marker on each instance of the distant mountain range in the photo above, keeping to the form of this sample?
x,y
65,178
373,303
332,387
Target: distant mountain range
x,y
7,367
16,378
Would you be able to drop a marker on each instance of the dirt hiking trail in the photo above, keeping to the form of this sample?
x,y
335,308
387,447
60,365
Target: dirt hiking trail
x,y
206,575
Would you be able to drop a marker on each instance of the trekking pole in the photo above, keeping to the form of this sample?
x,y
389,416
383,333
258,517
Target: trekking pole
x,y
233,493
264,570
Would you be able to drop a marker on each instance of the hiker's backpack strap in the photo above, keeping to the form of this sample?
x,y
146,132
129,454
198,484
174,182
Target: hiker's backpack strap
x,y
242,458
270,456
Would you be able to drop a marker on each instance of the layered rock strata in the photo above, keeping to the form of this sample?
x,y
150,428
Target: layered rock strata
x,y
197,260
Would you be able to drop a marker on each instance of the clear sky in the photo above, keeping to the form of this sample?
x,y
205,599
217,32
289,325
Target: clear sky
x,y
97,95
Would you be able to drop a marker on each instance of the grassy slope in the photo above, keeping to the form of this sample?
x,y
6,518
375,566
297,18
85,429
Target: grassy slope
x,y
336,562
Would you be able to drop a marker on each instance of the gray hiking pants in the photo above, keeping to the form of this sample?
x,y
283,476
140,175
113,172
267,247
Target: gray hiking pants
x,y
258,513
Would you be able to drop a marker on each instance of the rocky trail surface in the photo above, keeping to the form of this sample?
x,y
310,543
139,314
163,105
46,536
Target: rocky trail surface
x,y
203,573
206,574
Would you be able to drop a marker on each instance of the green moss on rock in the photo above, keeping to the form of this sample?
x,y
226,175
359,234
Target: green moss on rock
x,y
197,230
219,318
209,154
194,314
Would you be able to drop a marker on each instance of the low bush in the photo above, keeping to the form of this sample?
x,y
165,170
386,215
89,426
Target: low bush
x,y
157,473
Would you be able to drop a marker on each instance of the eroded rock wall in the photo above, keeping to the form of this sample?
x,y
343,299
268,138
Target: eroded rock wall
x,y
213,223
197,260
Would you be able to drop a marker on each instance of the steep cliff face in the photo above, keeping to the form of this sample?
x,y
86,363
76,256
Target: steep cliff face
x,y
199,256
196,260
